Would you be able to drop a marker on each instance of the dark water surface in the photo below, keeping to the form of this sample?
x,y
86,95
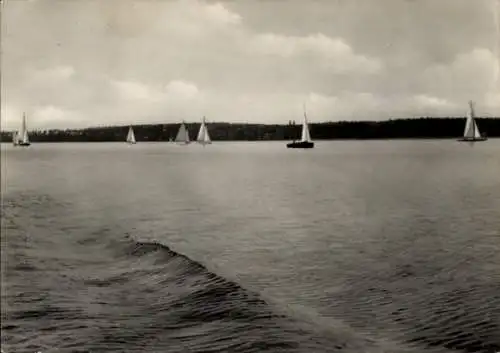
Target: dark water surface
x,y
377,246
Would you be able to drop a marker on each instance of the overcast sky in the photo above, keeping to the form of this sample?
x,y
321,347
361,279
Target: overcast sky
x,y
78,63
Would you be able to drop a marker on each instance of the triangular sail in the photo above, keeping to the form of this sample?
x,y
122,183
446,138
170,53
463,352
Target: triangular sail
x,y
203,135
182,135
468,132
477,133
306,136
471,129
15,138
23,134
130,135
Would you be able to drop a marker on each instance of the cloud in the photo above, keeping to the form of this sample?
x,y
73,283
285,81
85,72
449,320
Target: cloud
x,y
431,102
471,75
471,70
332,53
56,117
220,15
492,101
40,117
11,117
141,103
46,76
137,91
181,89
192,19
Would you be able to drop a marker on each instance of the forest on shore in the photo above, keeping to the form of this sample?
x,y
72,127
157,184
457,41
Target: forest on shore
x,y
220,131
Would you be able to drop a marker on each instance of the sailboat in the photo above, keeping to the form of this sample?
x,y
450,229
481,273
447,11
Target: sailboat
x,y
15,138
131,136
305,140
182,135
471,132
203,135
22,136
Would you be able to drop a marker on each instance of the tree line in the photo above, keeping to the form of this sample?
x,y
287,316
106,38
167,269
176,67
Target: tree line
x,y
220,131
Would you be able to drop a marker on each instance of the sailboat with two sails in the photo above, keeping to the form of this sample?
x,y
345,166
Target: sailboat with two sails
x,y
305,139
203,137
471,132
131,136
182,137
21,138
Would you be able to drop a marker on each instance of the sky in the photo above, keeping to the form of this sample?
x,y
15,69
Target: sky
x,y
79,63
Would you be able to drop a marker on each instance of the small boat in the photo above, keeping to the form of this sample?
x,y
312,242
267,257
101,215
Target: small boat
x,y
305,140
22,137
182,135
471,132
131,136
15,138
203,137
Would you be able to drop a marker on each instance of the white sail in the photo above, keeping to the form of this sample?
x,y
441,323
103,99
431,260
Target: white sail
x,y
203,135
477,133
130,135
471,129
25,137
306,137
15,138
22,136
182,135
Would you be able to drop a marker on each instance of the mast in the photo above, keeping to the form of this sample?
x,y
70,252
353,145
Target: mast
x,y
472,132
203,135
305,139
469,128
476,133
201,132
305,129
24,123
471,106
24,131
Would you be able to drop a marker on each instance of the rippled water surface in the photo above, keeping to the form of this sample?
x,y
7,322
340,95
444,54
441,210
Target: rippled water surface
x,y
375,246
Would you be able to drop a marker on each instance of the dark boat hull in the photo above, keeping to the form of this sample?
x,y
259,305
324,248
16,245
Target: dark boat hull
x,y
23,144
304,144
473,140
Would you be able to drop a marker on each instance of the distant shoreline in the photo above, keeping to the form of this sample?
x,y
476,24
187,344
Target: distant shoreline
x,y
277,141
397,129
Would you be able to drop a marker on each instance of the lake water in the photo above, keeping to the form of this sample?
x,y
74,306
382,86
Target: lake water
x,y
354,246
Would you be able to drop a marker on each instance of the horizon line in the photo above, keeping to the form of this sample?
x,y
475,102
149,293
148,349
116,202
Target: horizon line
x,y
257,123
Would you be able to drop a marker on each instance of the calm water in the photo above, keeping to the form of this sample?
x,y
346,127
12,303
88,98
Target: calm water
x,y
377,246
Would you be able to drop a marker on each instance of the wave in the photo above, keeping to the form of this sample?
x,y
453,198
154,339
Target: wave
x,y
200,311
97,293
